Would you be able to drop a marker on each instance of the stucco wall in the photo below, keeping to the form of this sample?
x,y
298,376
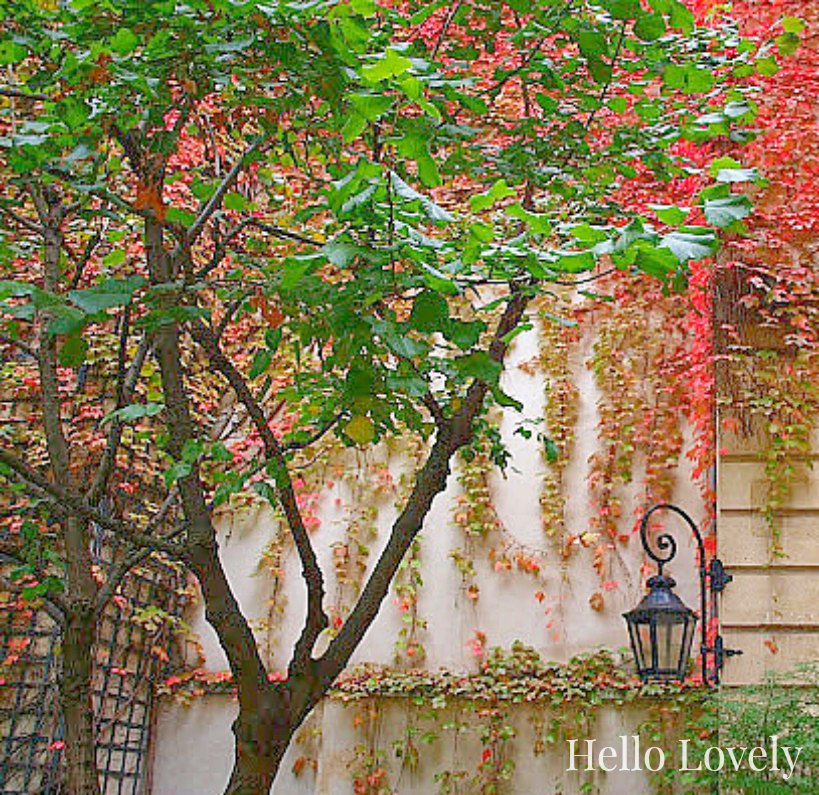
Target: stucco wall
x,y
193,756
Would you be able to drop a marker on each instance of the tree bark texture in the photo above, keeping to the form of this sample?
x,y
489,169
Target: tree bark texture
x,y
76,677
263,728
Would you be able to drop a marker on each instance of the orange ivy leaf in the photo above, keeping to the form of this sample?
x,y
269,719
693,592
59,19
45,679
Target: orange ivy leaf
x,y
148,197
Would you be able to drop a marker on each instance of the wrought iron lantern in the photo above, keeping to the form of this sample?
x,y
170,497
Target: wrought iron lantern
x,y
661,628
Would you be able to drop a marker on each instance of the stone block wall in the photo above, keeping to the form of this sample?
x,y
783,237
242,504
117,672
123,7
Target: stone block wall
x,y
771,610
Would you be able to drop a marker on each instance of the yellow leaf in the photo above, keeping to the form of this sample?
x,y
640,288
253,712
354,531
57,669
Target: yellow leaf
x,y
360,429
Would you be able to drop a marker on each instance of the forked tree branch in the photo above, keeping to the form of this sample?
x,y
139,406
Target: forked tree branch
x,y
215,201
316,620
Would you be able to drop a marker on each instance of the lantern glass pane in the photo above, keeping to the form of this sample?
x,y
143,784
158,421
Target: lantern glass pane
x,y
685,651
637,644
644,633
670,637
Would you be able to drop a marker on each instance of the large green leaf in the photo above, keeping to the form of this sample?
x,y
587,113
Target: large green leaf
x,y
390,64
690,245
430,312
433,211
726,211
107,295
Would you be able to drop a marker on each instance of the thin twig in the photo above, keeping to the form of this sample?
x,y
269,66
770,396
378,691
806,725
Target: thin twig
x,y
17,93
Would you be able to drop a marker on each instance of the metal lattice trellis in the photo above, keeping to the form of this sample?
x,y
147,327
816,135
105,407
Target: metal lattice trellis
x,y
129,655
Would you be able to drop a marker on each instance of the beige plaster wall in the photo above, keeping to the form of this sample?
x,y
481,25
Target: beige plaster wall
x,y
194,755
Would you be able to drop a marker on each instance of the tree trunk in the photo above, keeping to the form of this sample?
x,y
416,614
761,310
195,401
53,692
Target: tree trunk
x,y
261,743
76,699
263,734
80,588
263,728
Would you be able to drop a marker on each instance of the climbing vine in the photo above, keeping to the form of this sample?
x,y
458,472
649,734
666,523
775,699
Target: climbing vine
x,y
557,339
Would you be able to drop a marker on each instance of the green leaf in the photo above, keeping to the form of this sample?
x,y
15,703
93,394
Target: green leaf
x,y
295,269
549,104
218,452
353,127
735,110
109,294
539,224
430,312
371,106
481,232
506,400
134,411
124,41
649,27
66,320
114,258
767,67
592,43
478,365
737,175
273,338
191,450
391,64
500,190
360,429
415,146
464,333
586,233
360,381
235,201
681,17
433,211
658,262
624,9
618,104
669,214
600,70
180,216
367,8
793,25
179,469
727,211
73,351
689,79
11,52
340,253
261,361
689,245
226,45
574,261
439,281
787,43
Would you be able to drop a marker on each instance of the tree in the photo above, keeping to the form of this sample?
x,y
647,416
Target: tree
x,y
340,213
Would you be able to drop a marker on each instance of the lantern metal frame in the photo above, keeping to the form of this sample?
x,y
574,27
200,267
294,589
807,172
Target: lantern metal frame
x,y
712,580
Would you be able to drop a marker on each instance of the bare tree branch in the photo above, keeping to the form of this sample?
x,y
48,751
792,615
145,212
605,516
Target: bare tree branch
x,y
51,603
431,480
73,505
26,223
277,231
126,383
214,202
312,439
316,620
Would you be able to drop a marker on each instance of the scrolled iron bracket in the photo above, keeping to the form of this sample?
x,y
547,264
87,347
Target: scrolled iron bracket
x,y
713,579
